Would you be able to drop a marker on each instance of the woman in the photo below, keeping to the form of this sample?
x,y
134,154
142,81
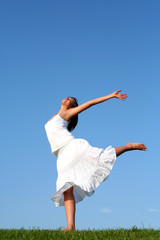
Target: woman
x,y
81,167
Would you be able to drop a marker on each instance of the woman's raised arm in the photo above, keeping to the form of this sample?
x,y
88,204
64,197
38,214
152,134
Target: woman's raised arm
x,y
74,111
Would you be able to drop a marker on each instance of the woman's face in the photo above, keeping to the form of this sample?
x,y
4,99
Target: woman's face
x,y
68,102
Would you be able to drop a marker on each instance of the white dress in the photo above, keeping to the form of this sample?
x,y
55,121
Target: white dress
x,y
78,164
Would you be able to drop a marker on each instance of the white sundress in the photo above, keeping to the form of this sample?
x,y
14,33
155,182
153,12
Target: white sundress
x,y
78,164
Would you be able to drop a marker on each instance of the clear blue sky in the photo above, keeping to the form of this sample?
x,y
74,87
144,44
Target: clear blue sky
x,y
87,49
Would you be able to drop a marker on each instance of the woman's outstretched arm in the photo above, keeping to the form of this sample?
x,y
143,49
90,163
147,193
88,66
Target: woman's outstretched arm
x,y
74,111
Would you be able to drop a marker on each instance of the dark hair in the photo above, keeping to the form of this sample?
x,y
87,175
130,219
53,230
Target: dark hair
x,y
74,120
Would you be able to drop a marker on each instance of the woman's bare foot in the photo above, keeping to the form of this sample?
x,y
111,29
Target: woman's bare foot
x,y
136,146
69,229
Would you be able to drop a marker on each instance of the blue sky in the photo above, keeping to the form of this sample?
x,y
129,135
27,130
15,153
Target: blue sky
x,y
87,49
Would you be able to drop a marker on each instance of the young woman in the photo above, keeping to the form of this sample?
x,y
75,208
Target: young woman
x,y
81,167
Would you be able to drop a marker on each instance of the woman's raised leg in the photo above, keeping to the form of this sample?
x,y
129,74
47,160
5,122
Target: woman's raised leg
x,y
130,147
70,208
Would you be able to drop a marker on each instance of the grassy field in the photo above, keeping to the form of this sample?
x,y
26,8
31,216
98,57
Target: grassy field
x,y
119,234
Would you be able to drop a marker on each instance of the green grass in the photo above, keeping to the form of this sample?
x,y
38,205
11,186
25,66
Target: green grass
x,y
119,234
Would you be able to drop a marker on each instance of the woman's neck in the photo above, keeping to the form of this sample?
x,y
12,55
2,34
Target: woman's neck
x,y
62,110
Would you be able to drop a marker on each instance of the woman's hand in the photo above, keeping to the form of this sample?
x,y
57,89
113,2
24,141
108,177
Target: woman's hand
x,y
116,94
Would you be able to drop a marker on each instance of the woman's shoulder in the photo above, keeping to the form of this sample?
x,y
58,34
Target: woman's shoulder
x,y
61,115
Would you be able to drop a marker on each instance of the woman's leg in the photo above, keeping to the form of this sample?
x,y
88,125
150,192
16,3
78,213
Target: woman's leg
x,y
130,147
69,204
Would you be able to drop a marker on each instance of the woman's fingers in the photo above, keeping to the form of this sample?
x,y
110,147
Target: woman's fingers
x,y
118,91
120,96
123,96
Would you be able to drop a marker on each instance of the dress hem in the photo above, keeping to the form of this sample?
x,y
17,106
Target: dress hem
x,y
86,187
